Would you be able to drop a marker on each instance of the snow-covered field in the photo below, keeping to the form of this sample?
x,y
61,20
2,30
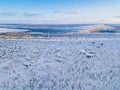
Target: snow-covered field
x,y
60,65
5,30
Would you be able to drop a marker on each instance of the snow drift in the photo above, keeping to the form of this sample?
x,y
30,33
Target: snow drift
x,y
96,28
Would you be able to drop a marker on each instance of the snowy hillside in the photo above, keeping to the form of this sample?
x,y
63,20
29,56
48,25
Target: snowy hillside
x,y
60,65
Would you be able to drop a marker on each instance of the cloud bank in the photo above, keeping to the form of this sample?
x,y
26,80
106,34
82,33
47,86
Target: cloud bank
x,y
8,14
117,16
32,14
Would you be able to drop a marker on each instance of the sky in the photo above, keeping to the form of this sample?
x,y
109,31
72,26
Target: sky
x,y
60,11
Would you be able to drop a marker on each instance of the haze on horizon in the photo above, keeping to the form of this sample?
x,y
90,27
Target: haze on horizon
x,y
59,11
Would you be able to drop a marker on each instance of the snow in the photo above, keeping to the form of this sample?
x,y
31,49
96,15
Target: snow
x,y
96,28
91,29
60,65
4,30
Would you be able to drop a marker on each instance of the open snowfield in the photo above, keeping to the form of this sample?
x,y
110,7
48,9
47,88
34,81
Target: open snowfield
x,y
60,65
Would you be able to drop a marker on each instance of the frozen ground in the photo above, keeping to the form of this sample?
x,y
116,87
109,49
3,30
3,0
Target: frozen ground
x,y
60,65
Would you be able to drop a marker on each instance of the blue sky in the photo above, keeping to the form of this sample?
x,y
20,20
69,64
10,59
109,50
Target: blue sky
x,y
59,11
